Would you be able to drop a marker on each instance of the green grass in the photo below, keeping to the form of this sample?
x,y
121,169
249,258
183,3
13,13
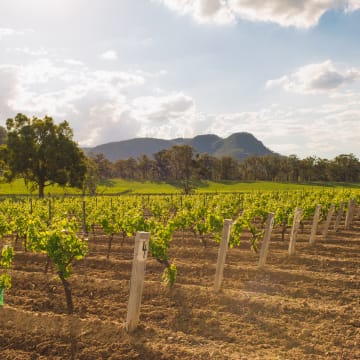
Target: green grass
x,y
118,186
18,187
247,186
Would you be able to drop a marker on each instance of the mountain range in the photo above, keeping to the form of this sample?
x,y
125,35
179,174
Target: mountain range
x,y
239,146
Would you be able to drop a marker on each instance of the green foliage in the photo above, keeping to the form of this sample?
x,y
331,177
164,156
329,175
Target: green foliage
x,y
160,240
7,257
60,242
235,234
4,224
204,214
169,275
91,178
120,186
43,153
3,135
62,245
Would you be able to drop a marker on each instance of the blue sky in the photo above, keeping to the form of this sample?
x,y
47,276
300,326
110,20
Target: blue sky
x,y
287,71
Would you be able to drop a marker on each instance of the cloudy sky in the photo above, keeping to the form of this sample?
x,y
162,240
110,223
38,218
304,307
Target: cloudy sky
x,y
287,71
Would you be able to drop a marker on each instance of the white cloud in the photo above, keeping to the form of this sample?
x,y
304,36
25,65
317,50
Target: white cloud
x,y
316,78
6,32
109,55
101,108
162,109
60,90
204,11
297,13
322,131
28,51
352,5
97,103
300,14
73,62
8,90
10,32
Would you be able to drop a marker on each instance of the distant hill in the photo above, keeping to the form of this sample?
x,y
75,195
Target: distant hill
x,y
238,145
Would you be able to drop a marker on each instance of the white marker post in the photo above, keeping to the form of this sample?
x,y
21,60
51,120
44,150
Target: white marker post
x,y
137,279
350,213
339,216
222,254
294,230
328,221
266,240
315,224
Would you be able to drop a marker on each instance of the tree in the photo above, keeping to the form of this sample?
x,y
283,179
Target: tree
x,y
3,135
43,153
182,165
229,168
104,166
163,164
208,167
91,178
345,167
146,167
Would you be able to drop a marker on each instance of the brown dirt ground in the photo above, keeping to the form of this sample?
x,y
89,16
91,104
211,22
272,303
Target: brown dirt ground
x,y
300,307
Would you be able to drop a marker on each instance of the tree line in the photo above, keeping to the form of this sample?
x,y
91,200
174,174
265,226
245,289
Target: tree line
x,y
44,153
181,163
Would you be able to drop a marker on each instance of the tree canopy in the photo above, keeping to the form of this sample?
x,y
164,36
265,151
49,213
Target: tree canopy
x,y
3,135
43,153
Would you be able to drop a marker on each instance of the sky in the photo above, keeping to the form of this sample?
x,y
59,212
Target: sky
x,y
287,71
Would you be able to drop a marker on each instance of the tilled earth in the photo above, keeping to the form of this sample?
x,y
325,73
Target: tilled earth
x,y
306,306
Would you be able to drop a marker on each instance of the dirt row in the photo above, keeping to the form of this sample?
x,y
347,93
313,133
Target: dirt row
x,y
301,307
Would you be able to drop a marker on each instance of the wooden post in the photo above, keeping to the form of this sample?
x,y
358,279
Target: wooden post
x,y
328,221
49,212
350,213
84,218
266,240
315,225
84,235
137,279
339,216
294,230
222,254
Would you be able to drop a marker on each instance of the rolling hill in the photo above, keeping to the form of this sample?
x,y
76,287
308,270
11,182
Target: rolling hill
x,y
239,146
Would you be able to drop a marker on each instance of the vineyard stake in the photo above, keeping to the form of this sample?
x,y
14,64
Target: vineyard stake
x,y
137,279
328,221
339,216
266,240
84,218
294,230
350,213
315,224
49,212
222,254
84,233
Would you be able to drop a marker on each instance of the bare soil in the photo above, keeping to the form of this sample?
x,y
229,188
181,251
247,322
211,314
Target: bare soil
x,y
301,307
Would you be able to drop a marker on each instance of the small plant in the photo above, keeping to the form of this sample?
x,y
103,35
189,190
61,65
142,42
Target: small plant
x,y
169,275
7,256
62,245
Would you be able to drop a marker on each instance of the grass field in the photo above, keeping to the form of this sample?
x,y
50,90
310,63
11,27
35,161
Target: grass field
x,y
118,186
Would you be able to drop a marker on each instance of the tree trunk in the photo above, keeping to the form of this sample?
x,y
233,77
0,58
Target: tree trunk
x,y
68,295
283,230
109,246
41,190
